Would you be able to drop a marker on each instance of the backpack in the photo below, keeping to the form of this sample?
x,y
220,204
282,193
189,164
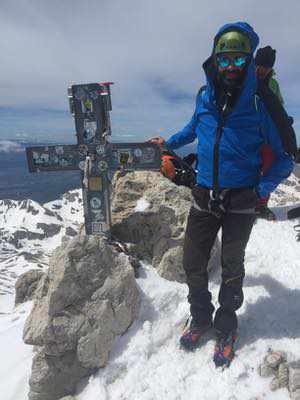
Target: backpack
x,y
280,118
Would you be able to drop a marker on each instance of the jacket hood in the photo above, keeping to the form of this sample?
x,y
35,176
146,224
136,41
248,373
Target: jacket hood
x,y
250,84
242,27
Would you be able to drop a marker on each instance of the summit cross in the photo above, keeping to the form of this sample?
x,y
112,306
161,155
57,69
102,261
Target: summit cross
x,y
94,156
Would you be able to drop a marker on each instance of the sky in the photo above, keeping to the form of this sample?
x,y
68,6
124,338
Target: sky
x,y
152,50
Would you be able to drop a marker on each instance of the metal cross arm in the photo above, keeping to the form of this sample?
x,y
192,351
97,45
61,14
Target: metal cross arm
x,y
95,157
111,157
53,158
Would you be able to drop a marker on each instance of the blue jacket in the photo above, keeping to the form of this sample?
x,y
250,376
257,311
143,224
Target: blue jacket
x,y
245,130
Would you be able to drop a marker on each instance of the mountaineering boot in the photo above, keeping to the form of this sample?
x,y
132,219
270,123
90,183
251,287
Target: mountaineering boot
x,y
224,349
192,334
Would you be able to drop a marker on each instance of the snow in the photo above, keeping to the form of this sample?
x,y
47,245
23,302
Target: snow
x,y
146,363
141,205
16,357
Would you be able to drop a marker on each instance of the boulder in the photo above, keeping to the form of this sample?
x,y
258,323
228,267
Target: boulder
x,y
294,376
275,364
88,297
295,395
150,212
274,358
265,371
26,285
54,377
274,384
283,374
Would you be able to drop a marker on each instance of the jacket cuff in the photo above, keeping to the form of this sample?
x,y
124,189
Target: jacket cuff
x,y
168,144
261,193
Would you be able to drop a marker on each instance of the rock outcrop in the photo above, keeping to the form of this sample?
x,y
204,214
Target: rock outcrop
x,y
285,374
88,297
26,285
150,212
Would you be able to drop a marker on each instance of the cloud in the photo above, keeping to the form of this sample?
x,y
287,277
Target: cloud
x,y
153,51
7,146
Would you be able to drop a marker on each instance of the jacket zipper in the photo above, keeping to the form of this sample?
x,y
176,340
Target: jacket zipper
x,y
219,132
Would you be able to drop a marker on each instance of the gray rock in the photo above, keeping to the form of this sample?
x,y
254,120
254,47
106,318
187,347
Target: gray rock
x,y
50,230
156,234
29,206
274,358
70,231
26,285
294,376
18,235
283,375
295,395
265,371
32,257
54,377
50,213
274,385
88,298
71,196
170,266
287,182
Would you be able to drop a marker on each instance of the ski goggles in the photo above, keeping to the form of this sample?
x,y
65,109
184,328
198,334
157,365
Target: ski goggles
x,y
225,61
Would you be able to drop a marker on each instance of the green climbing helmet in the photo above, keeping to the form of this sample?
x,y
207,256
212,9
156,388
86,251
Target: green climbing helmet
x,y
233,42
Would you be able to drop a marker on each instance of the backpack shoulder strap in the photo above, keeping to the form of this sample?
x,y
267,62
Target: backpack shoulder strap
x,y
201,92
280,118
257,101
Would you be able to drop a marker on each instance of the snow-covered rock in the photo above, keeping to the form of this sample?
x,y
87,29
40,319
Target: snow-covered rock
x,y
294,376
26,285
29,232
88,298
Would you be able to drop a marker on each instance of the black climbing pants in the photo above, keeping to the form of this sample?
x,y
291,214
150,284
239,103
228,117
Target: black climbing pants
x,y
201,231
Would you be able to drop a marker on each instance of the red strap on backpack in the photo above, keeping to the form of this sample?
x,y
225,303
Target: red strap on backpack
x,y
268,158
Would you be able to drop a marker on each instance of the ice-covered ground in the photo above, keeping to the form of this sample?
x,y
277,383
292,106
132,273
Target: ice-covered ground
x,y
147,364
15,356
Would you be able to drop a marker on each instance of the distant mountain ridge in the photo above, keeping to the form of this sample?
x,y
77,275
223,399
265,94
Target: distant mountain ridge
x,y
29,232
